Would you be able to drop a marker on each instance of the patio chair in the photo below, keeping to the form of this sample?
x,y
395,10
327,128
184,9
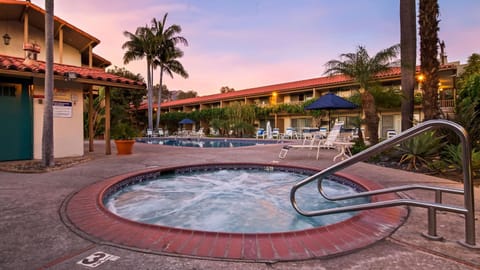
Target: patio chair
x,y
391,133
315,142
276,133
308,143
160,132
199,133
149,133
332,136
329,142
323,132
260,133
291,133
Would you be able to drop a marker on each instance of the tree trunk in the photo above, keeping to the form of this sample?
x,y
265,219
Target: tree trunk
x,y
159,98
150,93
108,148
47,135
371,117
428,21
408,59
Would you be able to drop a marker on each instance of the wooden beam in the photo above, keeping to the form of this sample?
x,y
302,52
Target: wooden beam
x,y
86,47
25,28
60,28
60,44
90,57
90,119
108,148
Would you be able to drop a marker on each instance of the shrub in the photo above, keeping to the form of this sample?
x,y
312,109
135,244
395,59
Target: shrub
x,y
358,146
453,156
421,150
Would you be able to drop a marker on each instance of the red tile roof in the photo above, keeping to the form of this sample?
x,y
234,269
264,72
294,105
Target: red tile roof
x,y
96,74
320,82
279,88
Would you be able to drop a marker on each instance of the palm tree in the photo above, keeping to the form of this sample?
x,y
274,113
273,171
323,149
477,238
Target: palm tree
x,y
408,52
140,45
362,68
166,39
429,64
47,133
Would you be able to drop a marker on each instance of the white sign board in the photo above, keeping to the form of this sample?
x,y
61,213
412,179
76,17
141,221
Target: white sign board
x,y
62,109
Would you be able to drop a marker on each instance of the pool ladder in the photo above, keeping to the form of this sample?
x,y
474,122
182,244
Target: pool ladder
x,y
468,209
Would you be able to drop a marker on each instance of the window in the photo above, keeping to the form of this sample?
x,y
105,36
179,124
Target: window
x,y
300,123
8,90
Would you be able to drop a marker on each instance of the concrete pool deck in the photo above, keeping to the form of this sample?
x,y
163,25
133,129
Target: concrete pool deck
x,y
34,235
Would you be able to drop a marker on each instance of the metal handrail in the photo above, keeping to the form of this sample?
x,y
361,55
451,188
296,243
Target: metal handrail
x,y
468,208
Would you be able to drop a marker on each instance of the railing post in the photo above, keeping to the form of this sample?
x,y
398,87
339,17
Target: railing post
x,y
432,219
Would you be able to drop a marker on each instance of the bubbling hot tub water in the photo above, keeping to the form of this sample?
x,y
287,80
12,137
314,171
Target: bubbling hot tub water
x,y
243,200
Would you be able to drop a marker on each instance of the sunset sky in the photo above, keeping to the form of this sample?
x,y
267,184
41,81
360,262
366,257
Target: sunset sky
x,y
244,44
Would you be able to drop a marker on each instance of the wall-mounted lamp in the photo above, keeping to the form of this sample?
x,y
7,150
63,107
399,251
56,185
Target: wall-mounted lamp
x,y
70,76
6,39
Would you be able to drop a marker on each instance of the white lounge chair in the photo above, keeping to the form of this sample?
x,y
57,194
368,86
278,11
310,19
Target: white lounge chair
x,y
391,133
260,133
291,133
315,142
329,142
199,133
276,133
309,143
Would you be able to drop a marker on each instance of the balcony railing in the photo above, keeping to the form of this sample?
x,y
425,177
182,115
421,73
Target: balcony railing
x,y
446,103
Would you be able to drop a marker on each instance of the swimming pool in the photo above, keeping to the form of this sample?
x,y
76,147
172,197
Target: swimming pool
x,y
205,142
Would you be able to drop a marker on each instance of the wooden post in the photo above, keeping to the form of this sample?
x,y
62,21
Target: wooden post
x,y
108,148
90,119
60,45
90,56
25,28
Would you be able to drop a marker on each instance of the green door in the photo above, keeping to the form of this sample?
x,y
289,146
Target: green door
x,y
16,136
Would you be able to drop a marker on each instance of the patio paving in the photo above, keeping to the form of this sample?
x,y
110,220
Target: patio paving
x,y
34,236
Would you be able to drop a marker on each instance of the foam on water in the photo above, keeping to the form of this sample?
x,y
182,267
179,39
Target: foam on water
x,y
249,201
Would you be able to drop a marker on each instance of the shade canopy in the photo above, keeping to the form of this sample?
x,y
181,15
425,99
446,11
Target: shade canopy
x,y
186,121
330,101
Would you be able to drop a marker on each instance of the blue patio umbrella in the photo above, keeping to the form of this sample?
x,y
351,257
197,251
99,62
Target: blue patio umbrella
x,y
186,121
330,101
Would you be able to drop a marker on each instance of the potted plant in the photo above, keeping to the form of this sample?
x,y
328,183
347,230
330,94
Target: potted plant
x,y
124,135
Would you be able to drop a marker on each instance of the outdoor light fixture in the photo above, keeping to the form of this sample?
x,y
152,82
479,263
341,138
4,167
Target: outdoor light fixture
x,y
6,39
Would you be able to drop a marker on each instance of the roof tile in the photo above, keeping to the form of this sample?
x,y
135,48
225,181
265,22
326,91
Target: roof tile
x,y
16,63
279,88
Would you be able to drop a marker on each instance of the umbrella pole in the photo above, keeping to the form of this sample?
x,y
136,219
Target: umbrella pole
x,y
329,122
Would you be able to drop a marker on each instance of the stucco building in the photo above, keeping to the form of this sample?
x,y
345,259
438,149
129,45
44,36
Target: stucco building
x,y
301,91
77,71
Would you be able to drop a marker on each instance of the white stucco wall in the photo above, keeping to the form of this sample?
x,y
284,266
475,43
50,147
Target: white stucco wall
x,y
71,56
68,131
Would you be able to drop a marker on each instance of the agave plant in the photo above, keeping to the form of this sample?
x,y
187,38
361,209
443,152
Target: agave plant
x,y
453,156
421,150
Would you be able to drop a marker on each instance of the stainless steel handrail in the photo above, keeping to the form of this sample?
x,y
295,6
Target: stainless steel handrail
x,y
468,208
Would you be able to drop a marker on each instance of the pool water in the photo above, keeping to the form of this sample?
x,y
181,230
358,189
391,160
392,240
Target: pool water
x,y
228,200
203,142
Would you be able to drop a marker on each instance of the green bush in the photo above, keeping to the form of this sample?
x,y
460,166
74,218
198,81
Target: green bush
x,y
453,156
358,147
421,150
123,131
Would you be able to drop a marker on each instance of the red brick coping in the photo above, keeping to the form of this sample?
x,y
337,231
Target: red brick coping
x,y
86,214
